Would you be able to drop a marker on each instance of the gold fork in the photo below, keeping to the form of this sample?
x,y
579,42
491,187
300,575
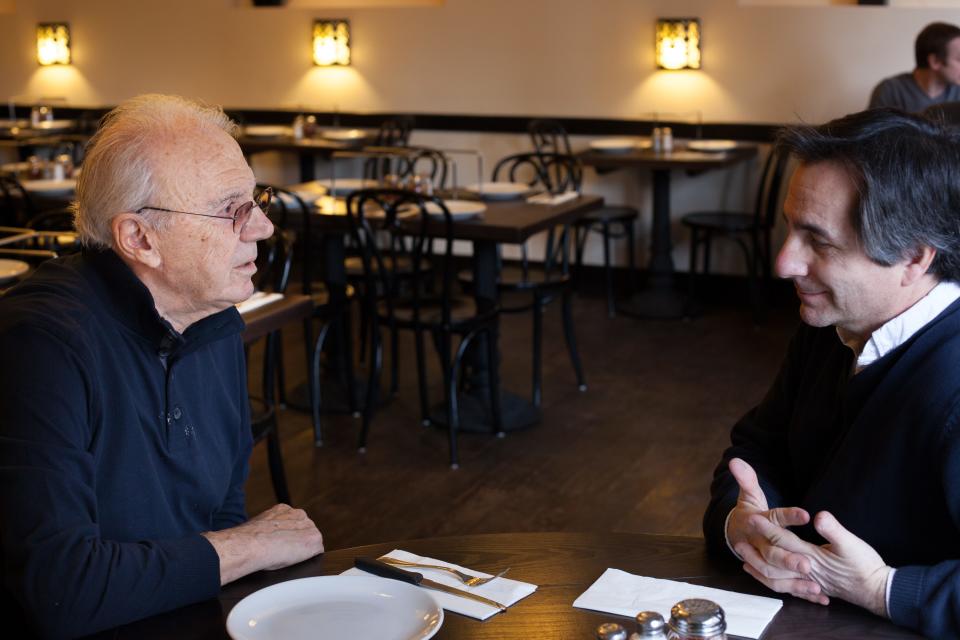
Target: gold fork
x,y
465,578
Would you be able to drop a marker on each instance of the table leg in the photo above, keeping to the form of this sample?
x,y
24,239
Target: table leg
x,y
659,299
308,172
517,412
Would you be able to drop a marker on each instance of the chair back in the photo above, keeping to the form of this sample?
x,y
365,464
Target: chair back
x,y
275,261
768,192
555,172
286,210
393,231
54,220
15,204
426,162
549,136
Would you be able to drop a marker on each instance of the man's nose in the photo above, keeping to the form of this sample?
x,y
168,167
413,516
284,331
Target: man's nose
x,y
258,227
790,262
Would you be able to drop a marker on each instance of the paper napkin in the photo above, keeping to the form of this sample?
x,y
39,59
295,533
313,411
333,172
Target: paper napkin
x,y
257,300
546,198
625,594
503,590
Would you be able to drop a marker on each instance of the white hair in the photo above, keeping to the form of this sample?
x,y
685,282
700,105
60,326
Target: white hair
x,y
119,168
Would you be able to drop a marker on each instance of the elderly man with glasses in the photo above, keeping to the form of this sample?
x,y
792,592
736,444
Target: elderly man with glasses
x,y
124,426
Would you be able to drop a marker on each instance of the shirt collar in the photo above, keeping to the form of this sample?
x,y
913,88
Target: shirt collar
x,y
901,328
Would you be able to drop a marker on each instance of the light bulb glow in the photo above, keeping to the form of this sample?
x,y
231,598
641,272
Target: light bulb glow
x,y
678,43
331,43
53,44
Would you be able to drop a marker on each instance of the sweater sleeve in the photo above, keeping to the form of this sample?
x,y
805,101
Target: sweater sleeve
x,y
67,579
760,439
927,598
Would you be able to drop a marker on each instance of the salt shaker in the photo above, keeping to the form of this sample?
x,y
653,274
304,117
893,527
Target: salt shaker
x,y
697,619
298,127
611,631
650,626
666,139
657,139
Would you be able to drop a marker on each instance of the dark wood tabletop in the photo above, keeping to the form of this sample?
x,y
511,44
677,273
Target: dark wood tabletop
x,y
274,315
563,565
679,158
505,222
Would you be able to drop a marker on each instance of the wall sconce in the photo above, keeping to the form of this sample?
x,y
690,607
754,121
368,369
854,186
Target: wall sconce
x,y
678,43
53,43
331,43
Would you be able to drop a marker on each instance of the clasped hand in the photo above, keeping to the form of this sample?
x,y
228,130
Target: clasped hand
x,y
846,567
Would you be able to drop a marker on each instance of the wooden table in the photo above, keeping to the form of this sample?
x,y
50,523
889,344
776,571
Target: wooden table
x,y
306,149
563,565
660,298
265,320
504,222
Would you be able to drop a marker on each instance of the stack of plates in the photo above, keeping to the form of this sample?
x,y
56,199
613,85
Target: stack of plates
x,y
345,135
712,146
619,145
500,190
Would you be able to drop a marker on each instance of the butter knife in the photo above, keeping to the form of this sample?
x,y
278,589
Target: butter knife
x,y
384,570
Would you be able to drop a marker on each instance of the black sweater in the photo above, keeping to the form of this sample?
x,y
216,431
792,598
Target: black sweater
x,y
120,442
878,449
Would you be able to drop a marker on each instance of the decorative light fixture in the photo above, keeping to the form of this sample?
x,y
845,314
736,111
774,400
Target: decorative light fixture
x,y
53,43
678,43
331,43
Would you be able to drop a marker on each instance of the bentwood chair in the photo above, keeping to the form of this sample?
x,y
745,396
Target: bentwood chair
x,y
274,259
330,308
529,288
612,222
16,205
750,230
394,132
390,227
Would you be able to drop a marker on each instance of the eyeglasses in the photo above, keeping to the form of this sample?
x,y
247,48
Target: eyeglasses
x,y
240,216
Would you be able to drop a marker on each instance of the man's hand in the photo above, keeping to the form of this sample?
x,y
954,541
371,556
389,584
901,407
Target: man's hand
x,y
846,567
767,561
277,538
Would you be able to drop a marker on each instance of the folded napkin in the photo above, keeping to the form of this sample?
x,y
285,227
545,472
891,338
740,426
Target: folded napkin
x,y
546,198
258,299
625,594
503,590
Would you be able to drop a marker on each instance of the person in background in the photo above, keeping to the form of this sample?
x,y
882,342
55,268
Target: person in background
x,y
844,482
935,78
124,419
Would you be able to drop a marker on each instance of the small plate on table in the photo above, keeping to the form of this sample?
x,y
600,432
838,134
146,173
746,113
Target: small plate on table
x,y
459,209
618,145
268,131
50,186
343,135
711,146
336,607
500,190
10,270
54,125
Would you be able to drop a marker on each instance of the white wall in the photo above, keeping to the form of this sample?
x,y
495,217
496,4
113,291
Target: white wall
x,y
505,57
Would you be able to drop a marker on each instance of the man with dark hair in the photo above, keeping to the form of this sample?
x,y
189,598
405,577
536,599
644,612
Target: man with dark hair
x,y
861,424
935,78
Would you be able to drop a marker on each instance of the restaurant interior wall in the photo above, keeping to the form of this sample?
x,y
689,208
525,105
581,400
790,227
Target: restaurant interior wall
x,y
573,58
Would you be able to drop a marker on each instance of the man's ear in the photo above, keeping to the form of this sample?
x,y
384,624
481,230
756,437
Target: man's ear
x,y
134,241
917,265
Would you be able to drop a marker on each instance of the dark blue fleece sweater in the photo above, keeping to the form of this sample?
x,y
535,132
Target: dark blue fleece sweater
x,y
879,449
120,442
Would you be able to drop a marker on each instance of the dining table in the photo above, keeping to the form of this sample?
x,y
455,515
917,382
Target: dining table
x,y
307,149
660,298
562,565
510,222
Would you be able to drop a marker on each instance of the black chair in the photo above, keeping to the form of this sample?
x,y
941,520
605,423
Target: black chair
x,y
612,222
330,308
529,288
750,230
273,273
394,132
405,300
16,205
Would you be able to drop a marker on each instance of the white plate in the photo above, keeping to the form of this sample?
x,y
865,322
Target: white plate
x,y
55,125
268,130
500,190
50,185
459,209
343,134
614,145
345,186
12,269
712,146
336,607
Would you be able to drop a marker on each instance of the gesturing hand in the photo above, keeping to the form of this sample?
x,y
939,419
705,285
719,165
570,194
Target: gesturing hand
x,y
778,568
276,538
846,567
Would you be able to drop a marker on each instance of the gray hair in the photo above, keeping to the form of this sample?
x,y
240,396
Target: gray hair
x,y
907,171
119,171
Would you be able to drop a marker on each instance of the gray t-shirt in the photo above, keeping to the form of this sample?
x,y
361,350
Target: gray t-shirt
x,y
903,92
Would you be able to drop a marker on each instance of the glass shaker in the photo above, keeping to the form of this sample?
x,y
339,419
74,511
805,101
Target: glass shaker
x,y
298,127
697,619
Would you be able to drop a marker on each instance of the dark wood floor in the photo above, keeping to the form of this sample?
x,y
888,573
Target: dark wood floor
x,y
634,453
